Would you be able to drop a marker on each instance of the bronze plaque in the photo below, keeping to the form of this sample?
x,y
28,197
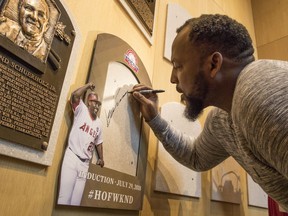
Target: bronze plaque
x,y
36,39
145,11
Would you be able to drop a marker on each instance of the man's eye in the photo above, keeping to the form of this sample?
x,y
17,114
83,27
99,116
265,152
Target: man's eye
x,y
41,14
176,66
28,8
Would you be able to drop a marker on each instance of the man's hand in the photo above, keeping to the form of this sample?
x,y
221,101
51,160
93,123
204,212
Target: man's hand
x,y
148,102
91,86
78,93
100,162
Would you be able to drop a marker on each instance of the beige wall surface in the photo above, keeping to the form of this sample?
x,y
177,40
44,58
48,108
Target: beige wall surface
x,y
29,189
271,29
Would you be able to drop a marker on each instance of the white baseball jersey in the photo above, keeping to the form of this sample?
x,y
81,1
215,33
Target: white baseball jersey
x,y
86,133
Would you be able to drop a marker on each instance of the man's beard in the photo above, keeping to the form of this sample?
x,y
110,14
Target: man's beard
x,y
194,104
194,108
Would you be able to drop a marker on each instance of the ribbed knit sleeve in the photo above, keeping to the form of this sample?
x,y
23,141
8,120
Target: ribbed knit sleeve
x,y
197,154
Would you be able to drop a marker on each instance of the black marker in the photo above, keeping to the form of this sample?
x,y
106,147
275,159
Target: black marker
x,y
148,91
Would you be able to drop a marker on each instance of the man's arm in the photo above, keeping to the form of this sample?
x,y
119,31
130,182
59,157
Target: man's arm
x,y
197,154
99,151
78,93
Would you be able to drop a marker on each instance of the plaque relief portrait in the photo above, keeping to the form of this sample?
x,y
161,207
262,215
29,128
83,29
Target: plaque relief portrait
x,y
36,42
30,24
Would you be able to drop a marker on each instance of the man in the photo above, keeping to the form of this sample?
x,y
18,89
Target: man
x,y
28,32
86,133
213,65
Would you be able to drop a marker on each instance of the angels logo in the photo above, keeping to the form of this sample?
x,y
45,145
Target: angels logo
x,y
131,59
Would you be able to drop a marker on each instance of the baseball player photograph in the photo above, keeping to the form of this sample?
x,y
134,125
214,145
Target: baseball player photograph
x,y
84,137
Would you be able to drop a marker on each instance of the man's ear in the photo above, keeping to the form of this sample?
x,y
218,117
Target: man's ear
x,y
216,60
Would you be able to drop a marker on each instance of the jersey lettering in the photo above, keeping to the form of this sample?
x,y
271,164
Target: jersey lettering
x,y
90,147
87,129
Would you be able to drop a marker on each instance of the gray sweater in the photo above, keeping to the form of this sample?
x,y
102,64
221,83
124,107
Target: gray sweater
x,y
255,133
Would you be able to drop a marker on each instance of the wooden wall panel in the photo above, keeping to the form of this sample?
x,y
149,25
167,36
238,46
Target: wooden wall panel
x,y
270,20
271,28
277,49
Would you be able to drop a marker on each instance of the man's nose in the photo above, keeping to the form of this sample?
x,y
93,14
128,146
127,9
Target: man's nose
x,y
173,78
34,15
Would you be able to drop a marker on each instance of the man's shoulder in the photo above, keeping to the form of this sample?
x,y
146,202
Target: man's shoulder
x,y
76,106
260,76
7,21
262,68
9,28
257,87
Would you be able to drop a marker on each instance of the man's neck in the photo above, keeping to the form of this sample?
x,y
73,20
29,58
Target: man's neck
x,y
226,89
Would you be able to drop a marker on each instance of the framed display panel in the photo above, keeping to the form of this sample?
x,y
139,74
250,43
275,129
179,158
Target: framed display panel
x,y
143,14
171,176
176,17
256,196
32,77
115,69
226,182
